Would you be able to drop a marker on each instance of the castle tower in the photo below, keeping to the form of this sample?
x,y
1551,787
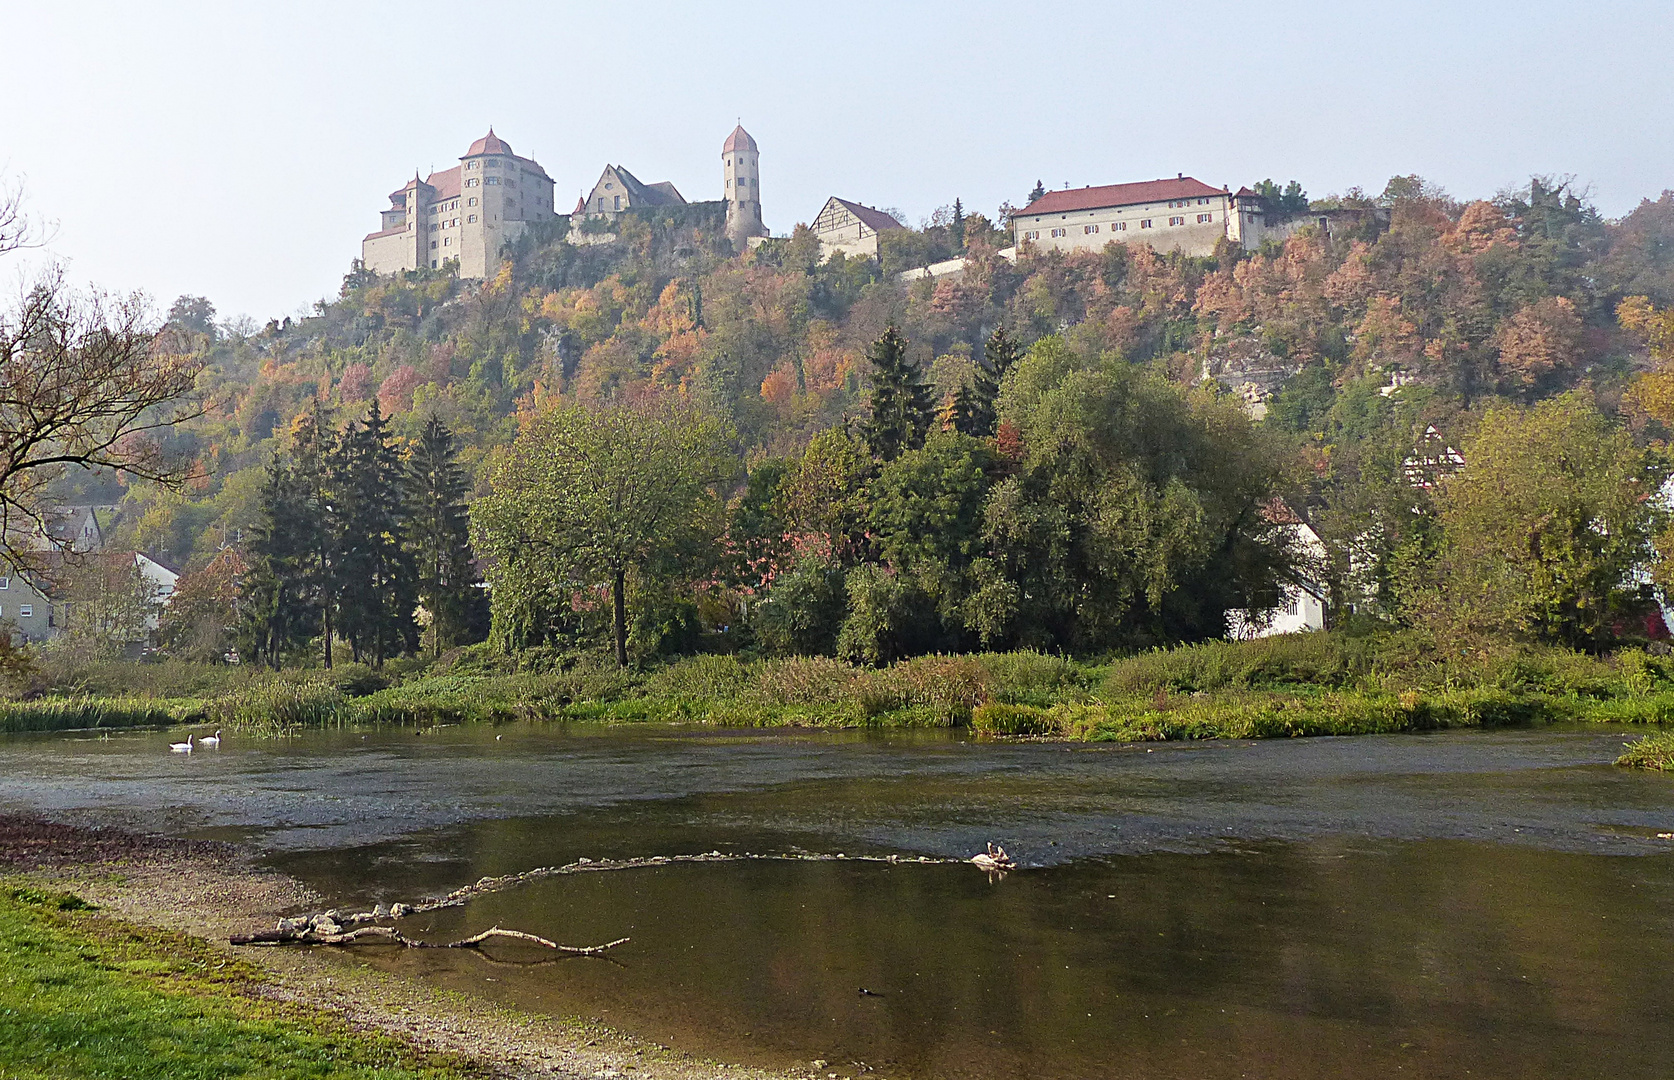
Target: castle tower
x,y
741,164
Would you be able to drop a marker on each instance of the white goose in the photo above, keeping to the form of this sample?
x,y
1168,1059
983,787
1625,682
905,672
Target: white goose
x,y
182,747
211,740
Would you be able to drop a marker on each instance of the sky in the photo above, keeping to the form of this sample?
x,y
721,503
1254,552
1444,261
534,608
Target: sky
x,y
240,151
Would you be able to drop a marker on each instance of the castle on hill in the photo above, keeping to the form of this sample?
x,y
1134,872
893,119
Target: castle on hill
x,y
466,214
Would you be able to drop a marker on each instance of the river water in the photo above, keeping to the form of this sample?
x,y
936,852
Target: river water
x,y
1471,904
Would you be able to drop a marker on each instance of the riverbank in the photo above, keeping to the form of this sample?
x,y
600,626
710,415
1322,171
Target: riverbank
x,y
1330,683
115,948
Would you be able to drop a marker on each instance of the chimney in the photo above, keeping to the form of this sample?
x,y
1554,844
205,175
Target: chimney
x,y
1179,176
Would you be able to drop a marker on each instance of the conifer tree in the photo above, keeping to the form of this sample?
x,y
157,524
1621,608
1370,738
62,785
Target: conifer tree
x,y
316,524
1038,193
377,589
438,535
957,229
974,405
901,401
275,615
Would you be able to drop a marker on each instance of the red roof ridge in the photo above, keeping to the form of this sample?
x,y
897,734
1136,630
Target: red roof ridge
x,y
1145,191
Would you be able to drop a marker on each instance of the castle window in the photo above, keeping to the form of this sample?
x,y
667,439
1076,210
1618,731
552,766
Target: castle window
x,y
456,223
1177,220
1205,218
609,185
492,179
472,201
447,241
618,202
472,218
1145,223
1089,228
432,264
432,245
1119,226
471,181
1060,232
26,611
5,582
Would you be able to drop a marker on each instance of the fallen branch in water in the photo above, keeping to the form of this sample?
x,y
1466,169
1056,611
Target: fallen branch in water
x,y
389,935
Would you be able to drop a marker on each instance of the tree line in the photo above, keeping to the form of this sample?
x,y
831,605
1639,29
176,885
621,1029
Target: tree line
x,y
355,542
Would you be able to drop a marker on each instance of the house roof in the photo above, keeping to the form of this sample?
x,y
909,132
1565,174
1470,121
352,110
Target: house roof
x,y
869,216
384,232
1097,198
489,144
738,140
445,182
662,193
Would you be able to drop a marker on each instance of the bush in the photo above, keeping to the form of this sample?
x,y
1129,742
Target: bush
x,y
1315,659
996,718
1651,752
712,678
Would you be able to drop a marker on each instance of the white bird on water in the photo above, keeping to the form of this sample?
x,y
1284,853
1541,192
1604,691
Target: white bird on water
x,y
210,740
182,747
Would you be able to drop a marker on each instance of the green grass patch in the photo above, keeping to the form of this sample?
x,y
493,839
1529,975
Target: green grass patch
x,y
1654,751
69,713
82,996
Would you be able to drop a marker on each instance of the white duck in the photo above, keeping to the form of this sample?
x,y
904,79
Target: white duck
x,y
211,740
182,747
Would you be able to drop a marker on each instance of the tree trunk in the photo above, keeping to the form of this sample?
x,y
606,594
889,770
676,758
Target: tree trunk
x,y
620,598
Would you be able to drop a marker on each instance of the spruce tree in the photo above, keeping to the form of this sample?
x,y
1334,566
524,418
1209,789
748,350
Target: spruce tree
x,y
377,589
438,534
1038,193
274,613
901,402
974,406
313,445
956,230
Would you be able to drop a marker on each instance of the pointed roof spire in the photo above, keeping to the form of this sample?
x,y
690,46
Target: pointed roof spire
x,y
489,144
738,140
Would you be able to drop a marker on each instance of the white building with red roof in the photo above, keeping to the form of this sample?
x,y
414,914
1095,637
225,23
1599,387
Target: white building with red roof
x,y
463,215
1183,214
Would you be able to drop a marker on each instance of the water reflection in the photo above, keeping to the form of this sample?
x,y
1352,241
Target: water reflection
x,y
1328,959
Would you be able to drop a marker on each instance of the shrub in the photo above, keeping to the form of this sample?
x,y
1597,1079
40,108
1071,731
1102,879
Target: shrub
x,y
997,718
710,678
1652,752
1316,659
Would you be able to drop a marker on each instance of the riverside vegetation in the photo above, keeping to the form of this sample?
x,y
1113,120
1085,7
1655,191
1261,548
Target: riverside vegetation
x,y
1329,683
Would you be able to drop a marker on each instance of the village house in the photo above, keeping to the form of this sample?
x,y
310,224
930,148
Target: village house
x,y
462,215
1303,597
850,228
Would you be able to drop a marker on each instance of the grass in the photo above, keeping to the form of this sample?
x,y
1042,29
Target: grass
x,y
1652,752
1306,684
66,713
83,996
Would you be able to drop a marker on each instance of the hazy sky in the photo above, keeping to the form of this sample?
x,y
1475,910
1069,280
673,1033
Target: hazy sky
x,y
241,150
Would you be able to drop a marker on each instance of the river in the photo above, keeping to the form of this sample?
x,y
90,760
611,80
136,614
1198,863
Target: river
x,y
1470,904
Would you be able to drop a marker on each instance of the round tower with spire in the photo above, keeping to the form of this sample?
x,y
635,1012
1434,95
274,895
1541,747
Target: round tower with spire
x,y
741,166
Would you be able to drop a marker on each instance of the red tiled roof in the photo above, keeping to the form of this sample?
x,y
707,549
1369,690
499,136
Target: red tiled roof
x,y
580,207
386,232
869,216
1096,198
445,182
489,144
738,140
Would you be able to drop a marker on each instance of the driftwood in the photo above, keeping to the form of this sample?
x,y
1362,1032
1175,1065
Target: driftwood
x,y
332,927
389,935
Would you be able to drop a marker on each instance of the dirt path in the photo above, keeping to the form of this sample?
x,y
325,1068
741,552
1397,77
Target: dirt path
x,y
214,890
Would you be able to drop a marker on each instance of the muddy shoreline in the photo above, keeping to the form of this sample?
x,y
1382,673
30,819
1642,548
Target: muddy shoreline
x,y
214,890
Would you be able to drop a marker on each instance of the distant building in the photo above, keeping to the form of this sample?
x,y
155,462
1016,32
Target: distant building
x,y
462,215
741,171
851,228
618,190
1302,597
1182,214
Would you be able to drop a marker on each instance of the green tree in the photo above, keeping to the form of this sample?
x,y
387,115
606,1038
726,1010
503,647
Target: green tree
x,y
1135,516
973,406
200,621
587,497
274,614
1545,525
377,589
1038,193
438,532
901,401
